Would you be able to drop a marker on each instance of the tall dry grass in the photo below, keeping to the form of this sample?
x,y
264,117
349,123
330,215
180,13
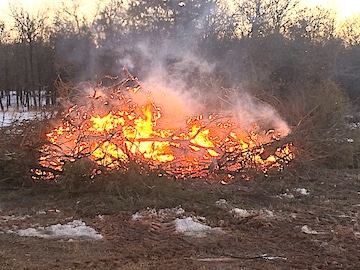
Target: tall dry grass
x,y
319,117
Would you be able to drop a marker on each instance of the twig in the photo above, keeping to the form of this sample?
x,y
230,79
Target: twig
x,y
226,257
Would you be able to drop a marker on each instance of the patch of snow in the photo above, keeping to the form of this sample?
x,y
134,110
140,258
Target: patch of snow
x,y
9,117
221,202
289,195
354,125
12,217
243,213
177,211
74,229
343,215
267,257
302,191
161,213
240,213
267,213
185,224
191,227
137,216
307,230
286,195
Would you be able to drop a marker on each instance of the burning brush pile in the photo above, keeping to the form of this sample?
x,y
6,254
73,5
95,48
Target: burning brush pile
x,y
122,123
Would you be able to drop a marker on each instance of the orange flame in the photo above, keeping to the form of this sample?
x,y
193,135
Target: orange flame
x,y
201,146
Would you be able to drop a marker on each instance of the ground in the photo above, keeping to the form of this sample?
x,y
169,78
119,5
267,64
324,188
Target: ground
x,y
295,222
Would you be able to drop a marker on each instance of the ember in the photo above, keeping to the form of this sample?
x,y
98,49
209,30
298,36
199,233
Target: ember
x,y
111,129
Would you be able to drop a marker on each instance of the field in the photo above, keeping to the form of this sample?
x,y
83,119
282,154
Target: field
x,y
285,221
179,135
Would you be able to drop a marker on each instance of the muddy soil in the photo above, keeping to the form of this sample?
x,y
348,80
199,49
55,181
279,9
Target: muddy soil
x,y
311,223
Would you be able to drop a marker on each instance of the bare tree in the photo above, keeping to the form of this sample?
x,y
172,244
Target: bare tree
x,y
2,34
282,13
111,20
2,28
251,16
349,31
173,19
30,27
71,18
262,17
316,25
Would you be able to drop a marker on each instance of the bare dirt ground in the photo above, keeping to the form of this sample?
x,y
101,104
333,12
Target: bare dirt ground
x,y
313,228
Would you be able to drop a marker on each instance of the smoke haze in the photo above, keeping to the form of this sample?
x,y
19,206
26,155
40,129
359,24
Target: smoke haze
x,y
178,75
173,79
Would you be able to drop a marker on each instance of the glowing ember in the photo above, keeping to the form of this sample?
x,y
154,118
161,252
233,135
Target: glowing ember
x,y
111,129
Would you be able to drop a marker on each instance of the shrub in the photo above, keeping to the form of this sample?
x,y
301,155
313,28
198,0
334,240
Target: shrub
x,y
318,114
131,190
19,143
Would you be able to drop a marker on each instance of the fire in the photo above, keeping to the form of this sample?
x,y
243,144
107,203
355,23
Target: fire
x,y
129,134
111,129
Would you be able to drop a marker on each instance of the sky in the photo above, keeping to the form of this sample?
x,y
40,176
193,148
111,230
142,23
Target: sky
x,y
40,4
344,8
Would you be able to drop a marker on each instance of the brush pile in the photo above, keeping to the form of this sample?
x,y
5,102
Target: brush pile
x,y
116,123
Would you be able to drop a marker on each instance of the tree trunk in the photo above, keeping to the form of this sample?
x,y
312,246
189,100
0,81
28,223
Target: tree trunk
x,y
8,98
1,105
27,83
32,74
39,77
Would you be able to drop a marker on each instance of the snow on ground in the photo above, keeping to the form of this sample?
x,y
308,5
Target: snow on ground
x,y
244,213
289,195
191,227
302,191
306,229
20,113
9,117
12,217
160,213
75,229
196,226
240,213
184,223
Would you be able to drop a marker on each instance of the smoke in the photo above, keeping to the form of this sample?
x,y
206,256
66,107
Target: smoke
x,y
250,111
168,74
181,82
179,77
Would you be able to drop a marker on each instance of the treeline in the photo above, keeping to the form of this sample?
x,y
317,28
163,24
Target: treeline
x,y
272,45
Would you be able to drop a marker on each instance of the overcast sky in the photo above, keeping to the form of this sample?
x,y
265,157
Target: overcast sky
x,y
344,7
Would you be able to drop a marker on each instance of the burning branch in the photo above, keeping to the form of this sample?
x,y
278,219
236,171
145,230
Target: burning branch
x,y
111,128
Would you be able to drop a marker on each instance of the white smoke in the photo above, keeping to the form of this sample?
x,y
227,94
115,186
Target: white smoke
x,y
169,82
250,111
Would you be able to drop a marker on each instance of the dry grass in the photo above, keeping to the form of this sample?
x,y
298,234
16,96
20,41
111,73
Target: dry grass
x,y
321,128
134,189
320,132
19,145
318,114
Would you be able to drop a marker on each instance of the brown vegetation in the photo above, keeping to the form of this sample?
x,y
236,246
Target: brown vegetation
x,y
297,64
